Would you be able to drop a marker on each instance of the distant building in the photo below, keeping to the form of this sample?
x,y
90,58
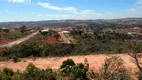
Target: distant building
x,y
131,33
66,32
45,30
136,28
3,28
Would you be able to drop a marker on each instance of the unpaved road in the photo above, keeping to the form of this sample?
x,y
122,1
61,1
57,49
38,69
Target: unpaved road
x,y
65,39
19,40
95,62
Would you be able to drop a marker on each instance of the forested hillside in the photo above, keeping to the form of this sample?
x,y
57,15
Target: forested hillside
x,y
131,22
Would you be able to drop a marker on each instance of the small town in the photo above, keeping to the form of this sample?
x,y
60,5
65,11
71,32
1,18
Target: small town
x,y
70,40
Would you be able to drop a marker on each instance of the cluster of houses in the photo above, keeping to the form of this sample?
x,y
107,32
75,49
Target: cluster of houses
x,y
130,31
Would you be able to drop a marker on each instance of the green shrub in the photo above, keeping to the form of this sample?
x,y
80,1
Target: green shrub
x,y
15,59
8,71
79,71
66,66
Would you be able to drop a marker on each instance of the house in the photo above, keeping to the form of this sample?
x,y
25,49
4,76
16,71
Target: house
x,y
45,30
66,32
136,28
131,33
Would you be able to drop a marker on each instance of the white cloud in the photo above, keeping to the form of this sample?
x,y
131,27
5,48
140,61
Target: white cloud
x,y
90,12
132,10
139,2
87,12
20,1
6,10
49,6
71,9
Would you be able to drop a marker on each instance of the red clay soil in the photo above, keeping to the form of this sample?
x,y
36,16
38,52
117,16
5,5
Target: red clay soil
x,y
50,40
3,41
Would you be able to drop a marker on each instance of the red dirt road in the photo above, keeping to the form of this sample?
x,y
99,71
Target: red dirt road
x,y
95,62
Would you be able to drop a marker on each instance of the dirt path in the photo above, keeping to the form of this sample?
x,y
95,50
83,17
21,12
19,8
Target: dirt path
x,y
95,62
19,40
65,39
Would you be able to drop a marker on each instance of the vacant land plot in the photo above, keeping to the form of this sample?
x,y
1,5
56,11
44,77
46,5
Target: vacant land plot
x,y
95,62
11,36
16,42
50,40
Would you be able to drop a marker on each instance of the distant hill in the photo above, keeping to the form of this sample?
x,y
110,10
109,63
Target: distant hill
x,y
132,22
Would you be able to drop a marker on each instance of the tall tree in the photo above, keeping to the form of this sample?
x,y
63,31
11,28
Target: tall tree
x,y
23,29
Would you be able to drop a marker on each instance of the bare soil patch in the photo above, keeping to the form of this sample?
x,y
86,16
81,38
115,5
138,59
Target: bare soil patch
x,y
50,40
95,62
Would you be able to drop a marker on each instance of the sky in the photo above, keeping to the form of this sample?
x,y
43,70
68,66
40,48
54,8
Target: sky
x,y
36,10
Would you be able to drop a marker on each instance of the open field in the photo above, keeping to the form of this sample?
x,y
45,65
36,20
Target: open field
x,y
95,62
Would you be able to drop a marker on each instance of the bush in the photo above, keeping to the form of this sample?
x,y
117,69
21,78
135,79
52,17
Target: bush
x,y
79,71
15,59
8,71
3,76
139,75
66,66
113,69
33,73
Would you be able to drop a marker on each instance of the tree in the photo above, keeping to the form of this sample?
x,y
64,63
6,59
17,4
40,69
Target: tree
x,y
66,66
56,36
31,68
79,71
6,74
15,59
23,29
6,30
3,76
8,71
33,73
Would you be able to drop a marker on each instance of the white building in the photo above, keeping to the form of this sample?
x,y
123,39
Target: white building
x,y
45,30
66,32
131,33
